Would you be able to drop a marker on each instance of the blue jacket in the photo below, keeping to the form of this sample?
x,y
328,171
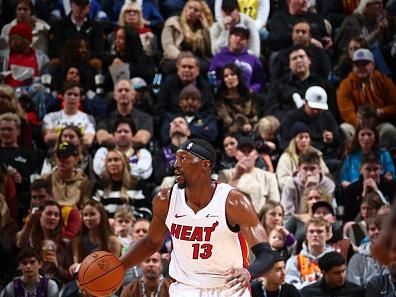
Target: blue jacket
x,y
350,168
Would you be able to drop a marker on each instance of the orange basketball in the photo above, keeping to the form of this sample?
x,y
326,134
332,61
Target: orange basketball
x,y
101,274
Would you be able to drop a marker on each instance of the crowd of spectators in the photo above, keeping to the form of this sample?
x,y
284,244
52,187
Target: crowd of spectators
x,y
298,97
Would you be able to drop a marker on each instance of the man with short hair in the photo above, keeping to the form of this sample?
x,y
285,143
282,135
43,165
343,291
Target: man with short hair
x,y
273,282
282,94
20,163
236,52
363,267
371,180
220,31
365,85
78,24
303,269
282,22
70,185
338,241
308,174
164,158
187,65
140,159
323,127
54,122
301,35
333,282
201,125
40,191
151,283
30,283
124,95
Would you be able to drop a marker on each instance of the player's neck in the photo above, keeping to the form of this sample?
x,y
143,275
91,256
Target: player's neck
x,y
198,196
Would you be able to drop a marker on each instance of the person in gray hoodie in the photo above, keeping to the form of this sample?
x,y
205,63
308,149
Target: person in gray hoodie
x,y
308,174
363,267
303,269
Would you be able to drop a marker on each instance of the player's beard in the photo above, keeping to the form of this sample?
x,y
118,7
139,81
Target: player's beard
x,y
182,185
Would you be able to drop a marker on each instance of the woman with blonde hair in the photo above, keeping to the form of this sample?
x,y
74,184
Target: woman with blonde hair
x,y
300,143
189,32
9,103
118,187
311,195
131,15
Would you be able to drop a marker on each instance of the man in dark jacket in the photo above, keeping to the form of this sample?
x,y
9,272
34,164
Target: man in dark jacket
x,y
187,65
274,282
281,95
333,282
370,180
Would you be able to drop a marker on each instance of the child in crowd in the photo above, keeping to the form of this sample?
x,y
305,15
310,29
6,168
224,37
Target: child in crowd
x,y
30,283
277,240
267,143
123,222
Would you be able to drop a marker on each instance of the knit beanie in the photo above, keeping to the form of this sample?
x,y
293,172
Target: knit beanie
x,y
22,29
297,128
190,91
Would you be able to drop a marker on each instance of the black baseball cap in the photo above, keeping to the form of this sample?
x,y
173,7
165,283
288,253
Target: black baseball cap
x,y
81,2
325,204
66,149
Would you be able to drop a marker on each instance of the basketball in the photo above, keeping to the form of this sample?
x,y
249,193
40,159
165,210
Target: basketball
x,y
101,274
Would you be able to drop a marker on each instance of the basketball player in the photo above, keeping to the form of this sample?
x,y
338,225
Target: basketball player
x,y
206,220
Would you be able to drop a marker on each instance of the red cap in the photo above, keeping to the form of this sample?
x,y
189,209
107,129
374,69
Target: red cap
x,y
22,29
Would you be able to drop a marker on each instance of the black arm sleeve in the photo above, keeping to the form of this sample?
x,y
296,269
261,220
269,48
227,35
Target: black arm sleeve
x,y
264,259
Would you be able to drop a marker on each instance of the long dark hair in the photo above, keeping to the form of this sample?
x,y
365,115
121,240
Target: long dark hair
x,y
242,89
104,230
34,236
355,146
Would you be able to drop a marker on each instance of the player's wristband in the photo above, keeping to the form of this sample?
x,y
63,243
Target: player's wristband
x,y
264,259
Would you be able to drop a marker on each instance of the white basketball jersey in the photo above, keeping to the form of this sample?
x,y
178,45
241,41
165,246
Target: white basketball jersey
x,y
204,247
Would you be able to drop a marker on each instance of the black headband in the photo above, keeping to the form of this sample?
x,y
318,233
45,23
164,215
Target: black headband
x,y
198,150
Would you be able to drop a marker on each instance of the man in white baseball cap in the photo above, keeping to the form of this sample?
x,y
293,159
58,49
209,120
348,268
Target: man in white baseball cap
x,y
316,98
324,130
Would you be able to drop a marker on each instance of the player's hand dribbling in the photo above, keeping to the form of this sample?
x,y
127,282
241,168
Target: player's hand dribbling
x,y
237,280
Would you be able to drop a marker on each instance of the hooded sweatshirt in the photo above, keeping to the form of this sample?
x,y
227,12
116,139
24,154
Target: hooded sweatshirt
x,y
71,192
362,266
379,91
293,189
295,272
